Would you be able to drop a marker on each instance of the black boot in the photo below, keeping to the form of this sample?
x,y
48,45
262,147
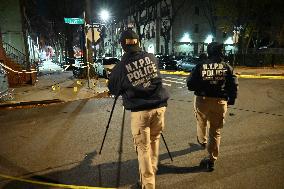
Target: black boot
x,y
207,164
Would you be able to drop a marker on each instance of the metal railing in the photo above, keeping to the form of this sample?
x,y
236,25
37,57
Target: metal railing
x,y
14,54
266,51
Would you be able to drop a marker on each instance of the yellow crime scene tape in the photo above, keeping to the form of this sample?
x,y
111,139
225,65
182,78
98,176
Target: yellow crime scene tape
x,y
261,76
51,184
174,72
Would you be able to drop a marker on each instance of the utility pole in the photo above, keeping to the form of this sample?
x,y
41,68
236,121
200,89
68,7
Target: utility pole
x,y
112,41
25,34
87,49
88,44
93,41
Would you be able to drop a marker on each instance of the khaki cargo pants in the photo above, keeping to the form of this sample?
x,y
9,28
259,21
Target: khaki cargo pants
x,y
210,113
146,127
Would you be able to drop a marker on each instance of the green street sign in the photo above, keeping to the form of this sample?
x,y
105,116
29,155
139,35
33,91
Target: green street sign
x,y
74,20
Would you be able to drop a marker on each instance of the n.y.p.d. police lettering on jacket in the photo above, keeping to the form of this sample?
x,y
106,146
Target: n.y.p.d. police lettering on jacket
x,y
213,71
141,71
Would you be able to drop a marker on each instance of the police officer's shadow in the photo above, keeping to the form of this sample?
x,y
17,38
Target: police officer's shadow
x,y
113,174
171,168
83,174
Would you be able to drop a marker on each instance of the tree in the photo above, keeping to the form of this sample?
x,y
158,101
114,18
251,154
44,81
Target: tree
x,y
46,19
259,20
170,13
142,12
209,11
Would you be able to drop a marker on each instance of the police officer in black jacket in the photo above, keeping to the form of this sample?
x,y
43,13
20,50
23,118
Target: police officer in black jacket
x,y
137,78
215,86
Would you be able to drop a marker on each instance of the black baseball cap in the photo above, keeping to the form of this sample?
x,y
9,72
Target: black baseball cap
x,y
129,40
215,49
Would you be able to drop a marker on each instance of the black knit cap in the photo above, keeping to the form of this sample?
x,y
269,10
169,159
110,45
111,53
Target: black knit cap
x,y
215,49
129,40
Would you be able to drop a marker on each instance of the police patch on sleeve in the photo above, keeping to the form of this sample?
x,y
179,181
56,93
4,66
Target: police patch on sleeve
x,y
141,72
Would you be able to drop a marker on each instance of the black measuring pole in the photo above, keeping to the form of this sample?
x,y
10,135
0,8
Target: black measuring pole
x,y
120,150
167,147
116,97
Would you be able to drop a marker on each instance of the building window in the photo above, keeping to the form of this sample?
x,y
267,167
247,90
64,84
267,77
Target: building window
x,y
196,28
197,11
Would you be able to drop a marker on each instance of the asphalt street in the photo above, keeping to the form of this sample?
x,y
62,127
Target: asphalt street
x,y
59,144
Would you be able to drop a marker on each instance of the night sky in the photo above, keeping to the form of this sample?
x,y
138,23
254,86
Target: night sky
x,y
74,8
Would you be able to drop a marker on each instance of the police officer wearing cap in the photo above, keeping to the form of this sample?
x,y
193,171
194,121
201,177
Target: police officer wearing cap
x,y
137,78
215,86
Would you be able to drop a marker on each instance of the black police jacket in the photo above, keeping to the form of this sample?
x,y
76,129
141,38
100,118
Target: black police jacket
x,y
137,78
213,78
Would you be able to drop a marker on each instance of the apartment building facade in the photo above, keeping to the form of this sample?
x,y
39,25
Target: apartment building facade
x,y
18,51
16,37
181,28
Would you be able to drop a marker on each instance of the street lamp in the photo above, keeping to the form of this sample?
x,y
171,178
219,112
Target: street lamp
x,y
104,15
107,20
208,39
186,38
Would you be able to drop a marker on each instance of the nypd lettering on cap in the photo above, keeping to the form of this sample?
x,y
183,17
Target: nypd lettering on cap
x,y
131,41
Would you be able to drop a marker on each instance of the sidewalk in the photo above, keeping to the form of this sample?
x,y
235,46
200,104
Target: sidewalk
x,y
246,72
58,86
265,71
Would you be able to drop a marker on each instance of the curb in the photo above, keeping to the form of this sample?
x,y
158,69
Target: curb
x,y
241,75
260,76
271,75
102,94
30,103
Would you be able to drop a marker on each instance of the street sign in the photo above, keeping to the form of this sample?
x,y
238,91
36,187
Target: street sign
x,y
74,20
95,25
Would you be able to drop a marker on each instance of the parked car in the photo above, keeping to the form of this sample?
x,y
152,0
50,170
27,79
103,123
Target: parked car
x,y
187,64
104,66
161,64
4,86
169,63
